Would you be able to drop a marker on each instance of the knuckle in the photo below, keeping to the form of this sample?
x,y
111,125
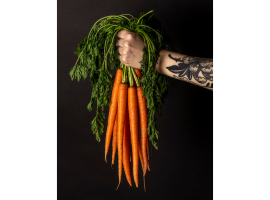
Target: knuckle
x,y
126,43
130,36
133,35
120,50
125,59
125,52
119,34
120,42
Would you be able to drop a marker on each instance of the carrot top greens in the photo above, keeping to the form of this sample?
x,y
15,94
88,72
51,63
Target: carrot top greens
x,y
98,51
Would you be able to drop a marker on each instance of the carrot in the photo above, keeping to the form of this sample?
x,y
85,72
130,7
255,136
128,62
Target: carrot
x,y
114,141
113,110
138,73
141,159
140,155
140,151
126,149
147,147
122,103
143,123
133,116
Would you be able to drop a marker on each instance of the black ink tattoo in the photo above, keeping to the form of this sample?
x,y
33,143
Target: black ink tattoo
x,y
195,70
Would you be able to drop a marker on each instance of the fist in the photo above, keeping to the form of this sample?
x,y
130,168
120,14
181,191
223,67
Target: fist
x,y
130,47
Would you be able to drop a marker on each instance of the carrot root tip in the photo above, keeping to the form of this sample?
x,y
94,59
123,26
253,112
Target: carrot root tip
x,y
144,183
112,167
117,186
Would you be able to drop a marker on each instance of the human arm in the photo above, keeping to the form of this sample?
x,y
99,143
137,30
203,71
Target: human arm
x,y
191,69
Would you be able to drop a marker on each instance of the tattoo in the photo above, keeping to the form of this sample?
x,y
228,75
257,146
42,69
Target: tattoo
x,y
194,70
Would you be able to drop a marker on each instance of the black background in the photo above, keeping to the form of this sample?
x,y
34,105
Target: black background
x,y
182,168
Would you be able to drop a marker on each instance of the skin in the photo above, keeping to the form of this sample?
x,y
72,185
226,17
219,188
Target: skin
x,y
130,47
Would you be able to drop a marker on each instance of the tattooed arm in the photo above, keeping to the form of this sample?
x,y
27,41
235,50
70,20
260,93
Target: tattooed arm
x,y
198,71
191,69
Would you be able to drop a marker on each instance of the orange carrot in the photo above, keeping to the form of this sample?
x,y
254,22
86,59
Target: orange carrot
x,y
126,149
140,150
133,116
113,110
141,158
148,153
130,144
122,108
138,73
147,147
143,123
140,155
114,141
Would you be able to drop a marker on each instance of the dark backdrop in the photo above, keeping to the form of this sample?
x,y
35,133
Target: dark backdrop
x,y
182,168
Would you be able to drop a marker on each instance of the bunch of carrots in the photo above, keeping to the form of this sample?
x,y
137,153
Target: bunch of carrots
x,y
131,120
127,124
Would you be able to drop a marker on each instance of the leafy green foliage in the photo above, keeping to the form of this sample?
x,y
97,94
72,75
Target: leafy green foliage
x,y
98,51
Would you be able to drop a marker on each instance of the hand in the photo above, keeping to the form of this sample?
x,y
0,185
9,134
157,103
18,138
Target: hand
x,y
130,47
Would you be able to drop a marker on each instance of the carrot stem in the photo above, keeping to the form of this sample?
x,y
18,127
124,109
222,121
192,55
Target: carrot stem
x,y
135,77
130,76
124,75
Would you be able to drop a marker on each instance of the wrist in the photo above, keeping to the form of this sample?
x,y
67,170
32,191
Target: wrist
x,y
160,60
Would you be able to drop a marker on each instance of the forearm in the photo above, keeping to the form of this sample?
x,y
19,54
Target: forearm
x,y
195,70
